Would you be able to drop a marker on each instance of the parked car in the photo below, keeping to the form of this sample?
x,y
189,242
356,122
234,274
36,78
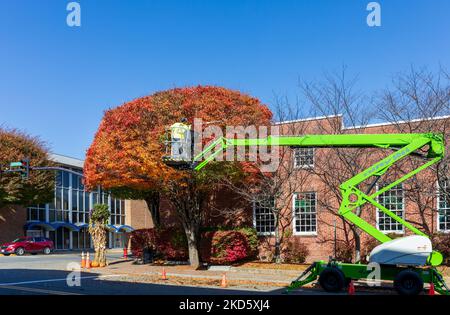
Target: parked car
x,y
24,245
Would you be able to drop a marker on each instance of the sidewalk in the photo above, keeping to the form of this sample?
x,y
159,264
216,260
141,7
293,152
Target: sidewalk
x,y
184,274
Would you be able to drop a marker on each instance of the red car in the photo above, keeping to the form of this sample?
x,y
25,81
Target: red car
x,y
24,245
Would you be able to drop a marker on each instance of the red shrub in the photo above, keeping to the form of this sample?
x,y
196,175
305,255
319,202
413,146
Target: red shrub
x,y
169,243
224,247
172,244
218,247
142,238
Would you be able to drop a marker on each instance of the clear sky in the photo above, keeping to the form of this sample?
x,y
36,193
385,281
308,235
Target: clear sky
x,y
56,81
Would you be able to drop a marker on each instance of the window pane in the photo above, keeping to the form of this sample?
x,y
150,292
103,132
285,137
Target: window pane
x,y
393,201
303,157
65,178
74,200
305,212
58,198
264,216
65,199
444,206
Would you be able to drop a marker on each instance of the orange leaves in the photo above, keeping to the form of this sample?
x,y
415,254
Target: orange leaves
x,y
127,148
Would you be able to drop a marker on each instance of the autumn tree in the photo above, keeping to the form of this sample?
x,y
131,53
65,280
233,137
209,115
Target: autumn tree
x,y
15,146
126,154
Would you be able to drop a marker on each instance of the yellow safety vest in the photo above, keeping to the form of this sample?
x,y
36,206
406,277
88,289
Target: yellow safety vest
x,y
179,130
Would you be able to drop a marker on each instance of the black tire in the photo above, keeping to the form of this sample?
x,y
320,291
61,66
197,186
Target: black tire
x,y
20,251
332,279
6,254
47,251
408,282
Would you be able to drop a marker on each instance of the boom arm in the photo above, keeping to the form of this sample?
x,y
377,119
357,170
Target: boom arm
x,y
352,196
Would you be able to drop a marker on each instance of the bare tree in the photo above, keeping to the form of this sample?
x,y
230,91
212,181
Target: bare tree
x,y
333,96
417,102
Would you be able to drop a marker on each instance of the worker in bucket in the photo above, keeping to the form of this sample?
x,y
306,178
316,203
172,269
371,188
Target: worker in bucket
x,y
181,135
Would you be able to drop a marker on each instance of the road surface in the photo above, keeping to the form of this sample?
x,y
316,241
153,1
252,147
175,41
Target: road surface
x,y
40,274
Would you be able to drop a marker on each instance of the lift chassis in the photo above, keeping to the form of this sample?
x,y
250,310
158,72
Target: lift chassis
x,y
409,270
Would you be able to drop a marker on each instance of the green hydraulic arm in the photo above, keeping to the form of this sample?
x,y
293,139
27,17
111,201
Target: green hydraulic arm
x,y
352,197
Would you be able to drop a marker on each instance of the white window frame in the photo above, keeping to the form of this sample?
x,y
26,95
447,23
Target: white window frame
x,y
403,212
297,166
254,223
295,232
438,194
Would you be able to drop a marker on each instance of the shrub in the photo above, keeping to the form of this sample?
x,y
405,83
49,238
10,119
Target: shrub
x,y
252,240
171,243
229,247
142,238
219,246
294,252
367,248
224,247
441,243
344,251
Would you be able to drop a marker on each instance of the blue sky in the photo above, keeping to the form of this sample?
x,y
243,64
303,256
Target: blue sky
x,y
56,81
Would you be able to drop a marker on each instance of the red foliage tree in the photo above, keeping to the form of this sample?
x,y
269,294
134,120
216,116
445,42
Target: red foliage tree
x,y
126,154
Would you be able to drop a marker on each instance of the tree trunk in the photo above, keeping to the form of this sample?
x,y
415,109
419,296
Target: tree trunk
x,y
357,246
277,238
192,240
357,238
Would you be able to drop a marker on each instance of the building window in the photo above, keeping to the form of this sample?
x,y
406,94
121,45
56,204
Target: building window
x,y
393,201
36,213
305,213
264,218
303,157
444,206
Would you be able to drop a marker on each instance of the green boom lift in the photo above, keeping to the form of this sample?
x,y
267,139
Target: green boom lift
x,y
408,261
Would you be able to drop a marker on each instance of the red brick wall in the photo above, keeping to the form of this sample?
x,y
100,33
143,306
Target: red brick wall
x,y
12,220
137,214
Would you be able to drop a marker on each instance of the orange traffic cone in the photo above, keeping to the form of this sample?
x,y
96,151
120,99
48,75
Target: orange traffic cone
x,y
351,288
88,261
223,283
83,260
164,276
431,289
